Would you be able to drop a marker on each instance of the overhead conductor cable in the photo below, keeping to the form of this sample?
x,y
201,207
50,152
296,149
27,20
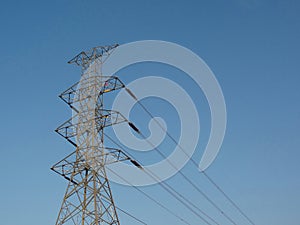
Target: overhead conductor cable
x,y
193,161
173,193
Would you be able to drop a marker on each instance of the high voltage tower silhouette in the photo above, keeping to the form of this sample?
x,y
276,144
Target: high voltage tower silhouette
x,y
88,199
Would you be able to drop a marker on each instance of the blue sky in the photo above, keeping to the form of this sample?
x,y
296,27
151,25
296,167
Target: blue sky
x,y
253,48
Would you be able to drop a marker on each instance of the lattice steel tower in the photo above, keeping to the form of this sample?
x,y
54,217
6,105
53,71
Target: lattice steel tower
x,y
88,198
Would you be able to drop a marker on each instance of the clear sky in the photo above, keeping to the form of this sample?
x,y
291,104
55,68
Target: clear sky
x,y
251,45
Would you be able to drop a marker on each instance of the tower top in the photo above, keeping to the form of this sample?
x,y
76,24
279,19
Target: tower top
x,y
84,58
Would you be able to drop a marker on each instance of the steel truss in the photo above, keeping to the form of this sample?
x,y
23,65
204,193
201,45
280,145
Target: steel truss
x,y
88,198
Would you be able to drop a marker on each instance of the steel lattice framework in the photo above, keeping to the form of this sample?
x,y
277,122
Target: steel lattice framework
x,y
88,198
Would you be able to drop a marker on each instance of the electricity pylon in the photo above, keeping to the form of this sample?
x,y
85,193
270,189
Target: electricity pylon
x,y
88,198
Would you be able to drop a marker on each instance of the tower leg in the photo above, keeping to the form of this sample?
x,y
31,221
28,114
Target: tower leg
x,y
88,199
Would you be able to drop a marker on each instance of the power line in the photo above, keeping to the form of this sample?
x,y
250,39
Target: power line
x,y
190,182
227,197
205,174
193,161
128,214
171,191
151,198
